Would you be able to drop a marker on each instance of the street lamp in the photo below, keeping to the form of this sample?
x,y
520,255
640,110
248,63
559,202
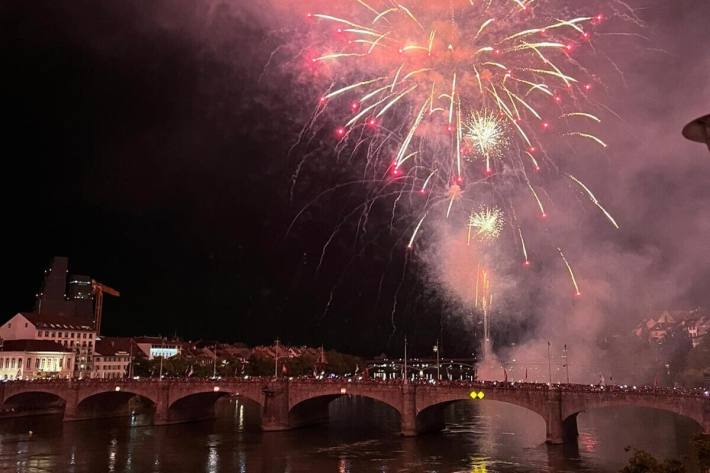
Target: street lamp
x,y
549,363
438,365
404,381
698,130
566,363
162,355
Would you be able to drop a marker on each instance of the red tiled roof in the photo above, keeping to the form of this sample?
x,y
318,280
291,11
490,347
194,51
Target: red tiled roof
x,y
57,322
33,345
110,346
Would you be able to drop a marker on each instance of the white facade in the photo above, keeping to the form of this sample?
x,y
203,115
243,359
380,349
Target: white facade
x,y
35,364
76,336
154,347
111,366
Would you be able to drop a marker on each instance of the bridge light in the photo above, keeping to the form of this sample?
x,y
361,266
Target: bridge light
x,y
481,395
117,388
215,389
476,395
343,390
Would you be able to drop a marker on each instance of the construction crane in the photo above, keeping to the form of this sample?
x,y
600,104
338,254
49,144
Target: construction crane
x,y
99,289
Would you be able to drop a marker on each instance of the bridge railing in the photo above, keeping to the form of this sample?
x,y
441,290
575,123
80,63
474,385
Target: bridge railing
x,y
481,385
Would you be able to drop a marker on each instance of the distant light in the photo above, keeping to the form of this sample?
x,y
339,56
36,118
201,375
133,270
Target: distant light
x,y
215,389
343,390
117,388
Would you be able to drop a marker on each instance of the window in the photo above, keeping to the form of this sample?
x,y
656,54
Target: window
x,y
29,363
39,333
54,334
9,325
46,333
7,362
72,335
12,363
68,363
37,363
26,324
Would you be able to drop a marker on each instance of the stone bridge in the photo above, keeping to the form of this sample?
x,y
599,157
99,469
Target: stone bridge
x,y
287,404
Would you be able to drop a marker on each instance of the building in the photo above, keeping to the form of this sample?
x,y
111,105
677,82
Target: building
x,y
73,296
113,357
657,329
60,298
79,337
35,359
155,347
79,288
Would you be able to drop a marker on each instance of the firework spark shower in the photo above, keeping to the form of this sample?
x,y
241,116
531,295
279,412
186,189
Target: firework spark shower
x,y
461,104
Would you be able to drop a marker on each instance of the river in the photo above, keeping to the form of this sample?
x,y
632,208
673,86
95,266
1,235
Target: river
x,y
480,437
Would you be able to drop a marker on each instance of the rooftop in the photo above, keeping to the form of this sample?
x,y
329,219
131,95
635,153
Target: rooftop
x,y
33,345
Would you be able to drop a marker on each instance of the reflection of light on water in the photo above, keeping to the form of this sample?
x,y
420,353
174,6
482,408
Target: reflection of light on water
x,y
242,462
213,455
241,417
479,466
113,447
343,465
588,442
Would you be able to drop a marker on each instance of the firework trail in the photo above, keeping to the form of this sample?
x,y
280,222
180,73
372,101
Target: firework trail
x,y
571,273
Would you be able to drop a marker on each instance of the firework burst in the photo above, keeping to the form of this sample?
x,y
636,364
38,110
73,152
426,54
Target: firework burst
x,y
454,97
486,224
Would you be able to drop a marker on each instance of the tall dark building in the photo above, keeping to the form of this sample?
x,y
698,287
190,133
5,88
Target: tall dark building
x,y
70,297
79,288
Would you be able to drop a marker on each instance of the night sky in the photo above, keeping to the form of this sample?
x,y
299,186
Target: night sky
x,y
146,142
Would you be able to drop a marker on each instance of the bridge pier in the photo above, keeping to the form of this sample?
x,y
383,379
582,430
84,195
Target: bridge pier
x,y
274,416
557,429
408,415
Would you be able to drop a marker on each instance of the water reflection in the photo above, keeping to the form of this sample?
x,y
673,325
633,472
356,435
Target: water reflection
x,y
481,437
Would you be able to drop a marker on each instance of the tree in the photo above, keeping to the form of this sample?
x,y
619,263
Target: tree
x,y
644,462
696,364
701,447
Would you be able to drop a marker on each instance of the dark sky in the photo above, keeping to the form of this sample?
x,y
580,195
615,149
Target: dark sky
x,y
141,141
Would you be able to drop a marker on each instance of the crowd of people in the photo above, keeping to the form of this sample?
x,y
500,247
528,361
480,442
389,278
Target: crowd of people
x,y
475,384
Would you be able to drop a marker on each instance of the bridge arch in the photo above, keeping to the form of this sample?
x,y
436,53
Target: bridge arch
x,y
430,412
111,403
34,399
687,408
315,409
197,404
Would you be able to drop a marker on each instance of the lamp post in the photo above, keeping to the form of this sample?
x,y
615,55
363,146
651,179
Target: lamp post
x,y
162,355
438,365
214,363
549,363
276,360
405,360
566,363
